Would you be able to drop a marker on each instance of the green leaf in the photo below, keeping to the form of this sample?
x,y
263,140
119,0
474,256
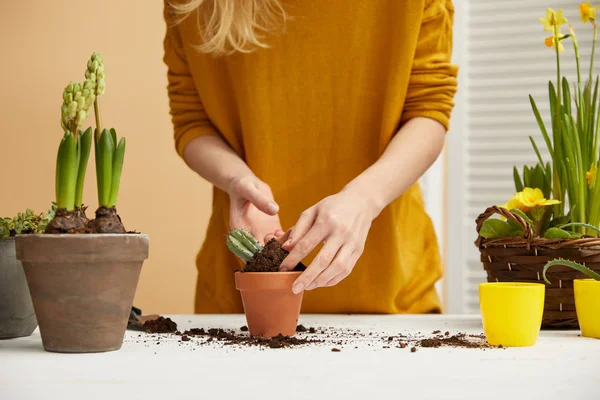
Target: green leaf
x,y
540,122
104,163
67,173
496,228
117,167
557,233
581,224
517,178
571,264
85,145
113,133
536,149
522,215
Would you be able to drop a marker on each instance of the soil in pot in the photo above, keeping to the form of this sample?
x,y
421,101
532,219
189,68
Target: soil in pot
x,y
107,221
269,259
69,221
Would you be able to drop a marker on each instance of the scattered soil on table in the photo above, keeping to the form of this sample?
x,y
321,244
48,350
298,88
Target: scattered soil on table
x,y
68,221
231,338
269,259
458,340
413,349
107,221
160,325
335,350
244,328
301,328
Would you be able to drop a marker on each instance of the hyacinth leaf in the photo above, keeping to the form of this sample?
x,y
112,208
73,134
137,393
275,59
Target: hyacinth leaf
x,y
67,173
84,147
113,133
104,161
571,264
117,168
517,178
237,248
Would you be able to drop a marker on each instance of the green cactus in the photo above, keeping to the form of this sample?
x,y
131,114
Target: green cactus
x,y
243,244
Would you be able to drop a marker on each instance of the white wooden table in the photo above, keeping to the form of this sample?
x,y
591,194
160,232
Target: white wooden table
x,y
561,366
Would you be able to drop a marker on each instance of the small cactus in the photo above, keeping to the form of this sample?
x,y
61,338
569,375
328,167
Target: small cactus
x,y
243,244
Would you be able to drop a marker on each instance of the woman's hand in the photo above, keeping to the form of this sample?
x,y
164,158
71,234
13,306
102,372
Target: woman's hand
x,y
341,222
253,208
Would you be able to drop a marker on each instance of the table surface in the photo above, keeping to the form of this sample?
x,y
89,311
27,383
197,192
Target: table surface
x,y
562,365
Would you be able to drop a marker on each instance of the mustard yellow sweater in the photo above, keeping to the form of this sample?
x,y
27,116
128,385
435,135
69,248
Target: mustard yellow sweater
x,y
308,115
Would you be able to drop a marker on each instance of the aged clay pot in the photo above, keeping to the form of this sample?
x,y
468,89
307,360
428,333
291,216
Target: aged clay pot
x,y
17,318
270,305
82,287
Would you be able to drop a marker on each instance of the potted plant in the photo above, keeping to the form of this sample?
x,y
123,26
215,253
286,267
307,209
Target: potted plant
x,y
83,280
536,225
587,296
270,306
17,318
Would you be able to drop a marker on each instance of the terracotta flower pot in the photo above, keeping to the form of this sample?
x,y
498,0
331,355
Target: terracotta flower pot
x,y
17,318
82,287
270,305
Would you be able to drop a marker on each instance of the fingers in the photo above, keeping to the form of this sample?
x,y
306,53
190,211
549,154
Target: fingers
x,y
319,264
344,272
249,191
307,244
283,236
305,222
339,267
274,235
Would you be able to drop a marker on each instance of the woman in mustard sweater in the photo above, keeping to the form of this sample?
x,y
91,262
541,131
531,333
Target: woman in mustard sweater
x,y
319,116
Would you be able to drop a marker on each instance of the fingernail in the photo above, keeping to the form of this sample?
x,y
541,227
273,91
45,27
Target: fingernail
x,y
273,207
288,242
297,288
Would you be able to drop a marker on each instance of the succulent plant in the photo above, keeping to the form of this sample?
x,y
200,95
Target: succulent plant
x,y
243,244
26,222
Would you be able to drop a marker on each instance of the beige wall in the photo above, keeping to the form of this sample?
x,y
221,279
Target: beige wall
x,y
45,44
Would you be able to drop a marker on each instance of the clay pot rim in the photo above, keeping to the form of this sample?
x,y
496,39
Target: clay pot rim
x,y
265,281
80,235
270,273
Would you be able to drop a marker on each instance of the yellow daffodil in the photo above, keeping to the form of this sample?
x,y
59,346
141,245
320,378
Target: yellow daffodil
x,y
590,176
549,41
587,11
532,198
553,19
515,202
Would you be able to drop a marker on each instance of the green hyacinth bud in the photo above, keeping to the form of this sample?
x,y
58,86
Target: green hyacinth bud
x,y
72,110
95,73
81,116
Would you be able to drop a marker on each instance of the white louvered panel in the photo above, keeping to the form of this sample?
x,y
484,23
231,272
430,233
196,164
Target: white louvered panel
x,y
506,60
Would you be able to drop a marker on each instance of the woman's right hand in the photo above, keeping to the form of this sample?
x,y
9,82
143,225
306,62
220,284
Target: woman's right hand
x,y
253,208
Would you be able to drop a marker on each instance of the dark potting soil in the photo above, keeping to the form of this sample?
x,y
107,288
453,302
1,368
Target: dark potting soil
x,y
231,338
269,259
160,325
458,340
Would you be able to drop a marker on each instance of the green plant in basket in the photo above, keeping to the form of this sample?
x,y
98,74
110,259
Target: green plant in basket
x,y
570,176
24,223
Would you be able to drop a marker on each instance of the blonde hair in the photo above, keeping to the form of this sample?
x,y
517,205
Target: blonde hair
x,y
228,26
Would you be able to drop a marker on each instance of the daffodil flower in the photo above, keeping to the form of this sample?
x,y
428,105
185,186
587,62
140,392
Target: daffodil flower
x,y
550,42
587,12
553,19
533,198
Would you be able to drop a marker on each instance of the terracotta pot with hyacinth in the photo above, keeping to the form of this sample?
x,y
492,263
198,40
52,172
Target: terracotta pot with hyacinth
x,y
554,217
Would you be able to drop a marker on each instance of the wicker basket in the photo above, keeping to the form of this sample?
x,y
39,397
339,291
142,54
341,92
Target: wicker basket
x,y
523,259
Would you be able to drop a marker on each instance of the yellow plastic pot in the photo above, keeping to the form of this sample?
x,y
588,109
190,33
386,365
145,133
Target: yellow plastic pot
x,y
587,305
511,312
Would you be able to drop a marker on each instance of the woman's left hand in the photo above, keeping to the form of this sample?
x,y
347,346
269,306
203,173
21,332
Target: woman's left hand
x,y
341,222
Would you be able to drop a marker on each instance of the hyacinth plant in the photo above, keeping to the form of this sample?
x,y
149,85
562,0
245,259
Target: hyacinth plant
x,y
570,176
243,244
110,155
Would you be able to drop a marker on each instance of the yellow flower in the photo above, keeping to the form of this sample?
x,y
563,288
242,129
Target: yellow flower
x,y
587,11
515,202
553,19
590,176
532,198
549,41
